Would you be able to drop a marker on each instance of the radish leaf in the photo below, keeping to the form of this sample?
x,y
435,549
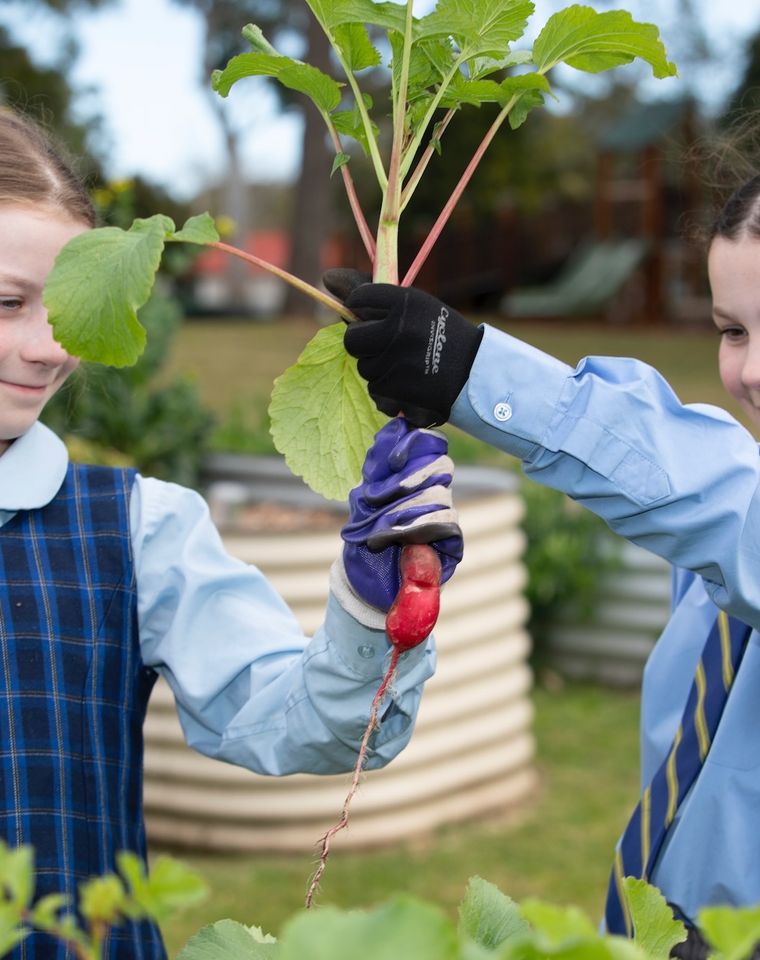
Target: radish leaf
x,y
591,41
302,77
354,42
480,28
325,439
488,916
557,924
732,931
334,13
655,929
401,928
100,280
199,229
229,940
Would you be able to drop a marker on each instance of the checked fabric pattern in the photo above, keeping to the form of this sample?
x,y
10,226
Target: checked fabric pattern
x,y
642,839
73,695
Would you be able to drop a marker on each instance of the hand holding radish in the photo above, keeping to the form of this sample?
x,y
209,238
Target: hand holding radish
x,y
404,498
402,541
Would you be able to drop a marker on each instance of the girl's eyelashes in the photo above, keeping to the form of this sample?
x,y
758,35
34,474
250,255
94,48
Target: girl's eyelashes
x,y
732,333
10,303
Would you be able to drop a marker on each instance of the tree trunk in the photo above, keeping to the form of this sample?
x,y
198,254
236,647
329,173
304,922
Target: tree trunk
x,y
312,209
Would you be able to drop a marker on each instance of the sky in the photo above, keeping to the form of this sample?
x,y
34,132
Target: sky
x,y
139,66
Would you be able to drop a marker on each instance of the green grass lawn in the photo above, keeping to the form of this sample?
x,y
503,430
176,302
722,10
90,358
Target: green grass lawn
x,y
556,847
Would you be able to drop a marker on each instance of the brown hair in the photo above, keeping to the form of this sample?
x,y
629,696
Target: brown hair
x,y
35,169
740,215
730,158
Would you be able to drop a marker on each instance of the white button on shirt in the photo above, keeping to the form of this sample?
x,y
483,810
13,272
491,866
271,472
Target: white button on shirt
x,y
250,687
503,412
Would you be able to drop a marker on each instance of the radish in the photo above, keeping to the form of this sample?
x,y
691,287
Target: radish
x,y
415,609
408,623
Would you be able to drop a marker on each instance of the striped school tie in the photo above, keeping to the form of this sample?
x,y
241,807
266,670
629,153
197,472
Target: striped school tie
x,y
642,839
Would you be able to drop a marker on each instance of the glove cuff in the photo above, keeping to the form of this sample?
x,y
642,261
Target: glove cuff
x,y
351,602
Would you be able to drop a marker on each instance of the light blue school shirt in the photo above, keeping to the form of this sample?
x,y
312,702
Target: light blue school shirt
x,y
682,481
251,689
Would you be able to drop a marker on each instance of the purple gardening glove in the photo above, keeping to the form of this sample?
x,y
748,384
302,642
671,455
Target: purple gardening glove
x,y
404,498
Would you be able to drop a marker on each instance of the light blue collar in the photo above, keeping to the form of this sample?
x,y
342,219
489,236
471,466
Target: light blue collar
x,y
32,470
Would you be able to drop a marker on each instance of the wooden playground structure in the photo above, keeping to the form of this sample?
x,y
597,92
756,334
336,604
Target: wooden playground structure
x,y
638,264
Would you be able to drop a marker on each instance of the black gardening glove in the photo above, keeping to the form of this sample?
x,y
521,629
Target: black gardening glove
x,y
414,351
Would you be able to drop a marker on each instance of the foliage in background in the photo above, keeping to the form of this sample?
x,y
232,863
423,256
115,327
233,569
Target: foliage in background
x,y
244,429
103,902
568,553
135,413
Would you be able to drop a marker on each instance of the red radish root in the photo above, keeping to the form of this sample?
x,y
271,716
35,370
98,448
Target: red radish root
x,y
409,621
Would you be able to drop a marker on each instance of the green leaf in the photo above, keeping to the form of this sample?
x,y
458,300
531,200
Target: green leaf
x,y
102,899
527,102
620,948
12,931
349,123
480,67
488,916
654,926
521,83
401,928
321,88
99,281
340,160
323,420
430,61
479,27
199,229
170,886
732,931
356,46
45,912
247,65
17,874
68,929
334,13
591,41
229,940
557,924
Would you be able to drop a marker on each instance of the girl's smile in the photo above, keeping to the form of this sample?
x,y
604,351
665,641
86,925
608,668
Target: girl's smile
x,y
32,364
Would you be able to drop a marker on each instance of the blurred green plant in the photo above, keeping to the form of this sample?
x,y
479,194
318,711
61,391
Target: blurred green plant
x,y
244,429
568,554
103,902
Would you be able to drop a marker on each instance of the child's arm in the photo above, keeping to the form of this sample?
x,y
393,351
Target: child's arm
x,y
681,481
250,687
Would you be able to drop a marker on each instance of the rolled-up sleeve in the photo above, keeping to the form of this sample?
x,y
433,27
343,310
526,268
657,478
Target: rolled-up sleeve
x,y
250,687
680,480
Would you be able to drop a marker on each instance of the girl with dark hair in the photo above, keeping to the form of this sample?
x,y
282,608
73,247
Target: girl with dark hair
x,y
109,579
680,480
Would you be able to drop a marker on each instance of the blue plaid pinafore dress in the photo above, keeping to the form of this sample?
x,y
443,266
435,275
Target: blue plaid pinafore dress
x,y
73,695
